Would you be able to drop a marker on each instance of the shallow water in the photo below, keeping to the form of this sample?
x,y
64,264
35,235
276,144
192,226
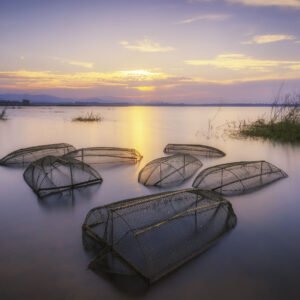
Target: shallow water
x,y
41,252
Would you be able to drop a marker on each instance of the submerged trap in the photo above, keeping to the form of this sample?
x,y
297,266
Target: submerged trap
x,y
105,155
25,156
153,235
238,177
169,170
52,174
198,150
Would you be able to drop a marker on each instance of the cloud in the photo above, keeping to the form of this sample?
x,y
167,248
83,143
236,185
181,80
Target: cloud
x,y
282,3
48,79
295,67
263,3
138,75
145,88
238,62
83,64
144,81
208,17
145,45
270,38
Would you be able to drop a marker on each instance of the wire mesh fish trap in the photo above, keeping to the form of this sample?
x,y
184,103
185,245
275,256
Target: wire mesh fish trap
x,y
105,155
169,170
25,156
238,177
198,150
52,174
153,235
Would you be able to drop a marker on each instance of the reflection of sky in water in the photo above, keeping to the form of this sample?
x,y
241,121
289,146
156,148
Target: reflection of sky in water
x,y
41,250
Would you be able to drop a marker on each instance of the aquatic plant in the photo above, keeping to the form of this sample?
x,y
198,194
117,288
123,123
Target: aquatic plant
x,y
88,117
3,114
282,125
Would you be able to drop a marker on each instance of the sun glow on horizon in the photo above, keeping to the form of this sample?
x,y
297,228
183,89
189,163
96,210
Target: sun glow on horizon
x,y
48,79
145,88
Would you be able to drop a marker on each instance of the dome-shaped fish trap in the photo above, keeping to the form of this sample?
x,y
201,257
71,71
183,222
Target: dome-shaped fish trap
x,y
52,174
25,156
238,177
170,170
197,150
152,236
106,155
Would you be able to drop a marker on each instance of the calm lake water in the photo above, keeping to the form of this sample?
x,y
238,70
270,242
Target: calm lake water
x,y
41,252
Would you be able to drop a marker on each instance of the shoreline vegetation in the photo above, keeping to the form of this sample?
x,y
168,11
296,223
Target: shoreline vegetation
x,y
3,114
283,124
88,117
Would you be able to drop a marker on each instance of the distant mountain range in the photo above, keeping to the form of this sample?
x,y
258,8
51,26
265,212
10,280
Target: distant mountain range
x,y
48,99
37,100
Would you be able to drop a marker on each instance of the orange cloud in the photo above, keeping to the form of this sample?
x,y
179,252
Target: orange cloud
x,y
145,88
237,62
149,81
47,79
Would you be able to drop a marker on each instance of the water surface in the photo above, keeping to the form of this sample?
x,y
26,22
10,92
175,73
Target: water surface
x,y
41,253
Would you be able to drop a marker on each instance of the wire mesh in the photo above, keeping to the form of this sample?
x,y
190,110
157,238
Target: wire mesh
x,y
25,156
238,177
105,155
197,150
169,171
52,174
153,235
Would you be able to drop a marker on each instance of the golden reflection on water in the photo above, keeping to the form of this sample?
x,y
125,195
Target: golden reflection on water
x,y
139,132
137,127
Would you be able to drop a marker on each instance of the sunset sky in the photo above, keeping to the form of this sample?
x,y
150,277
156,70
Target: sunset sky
x,y
191,51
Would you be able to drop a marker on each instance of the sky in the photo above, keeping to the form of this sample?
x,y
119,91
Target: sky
x,y
192,51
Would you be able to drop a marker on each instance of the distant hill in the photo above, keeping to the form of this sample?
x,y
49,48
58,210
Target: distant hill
x,y
48,99
27,99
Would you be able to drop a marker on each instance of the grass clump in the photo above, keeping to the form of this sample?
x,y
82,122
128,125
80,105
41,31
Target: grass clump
x,y
283,131
282,125
88,117
3,114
